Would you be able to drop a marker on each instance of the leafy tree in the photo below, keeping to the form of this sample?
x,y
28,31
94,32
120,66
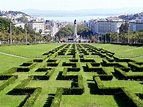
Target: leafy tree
x,y
69,30
18,33
23,19
124,28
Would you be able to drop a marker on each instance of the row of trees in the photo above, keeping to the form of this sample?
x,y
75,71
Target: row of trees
x,y
124,36
68,30
130,37
18,34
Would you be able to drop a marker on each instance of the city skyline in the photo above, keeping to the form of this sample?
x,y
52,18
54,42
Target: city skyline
x,y
67,5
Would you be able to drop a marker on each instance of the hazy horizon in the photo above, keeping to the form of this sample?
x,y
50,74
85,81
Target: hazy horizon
x,y
71,5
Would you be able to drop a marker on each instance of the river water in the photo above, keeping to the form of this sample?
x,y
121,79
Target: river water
x,y
72,18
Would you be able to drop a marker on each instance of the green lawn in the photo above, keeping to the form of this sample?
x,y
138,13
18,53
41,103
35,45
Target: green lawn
x,y
30,51
132,52
90,96
7,62
26,51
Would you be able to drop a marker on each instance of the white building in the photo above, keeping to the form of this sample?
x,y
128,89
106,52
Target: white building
x,y
136,26
47,27
22,25
104,26
51,27
39,27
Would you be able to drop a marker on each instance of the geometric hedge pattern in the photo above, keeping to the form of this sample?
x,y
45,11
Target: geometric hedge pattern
x,y
73,71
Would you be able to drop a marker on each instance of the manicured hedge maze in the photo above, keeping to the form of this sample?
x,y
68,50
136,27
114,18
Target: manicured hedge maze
x,y
70,75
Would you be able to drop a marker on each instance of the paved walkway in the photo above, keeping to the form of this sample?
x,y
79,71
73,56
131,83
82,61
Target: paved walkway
x,y
14,55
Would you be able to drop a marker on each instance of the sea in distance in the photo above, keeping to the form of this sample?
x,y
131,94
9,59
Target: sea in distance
x,y
72,18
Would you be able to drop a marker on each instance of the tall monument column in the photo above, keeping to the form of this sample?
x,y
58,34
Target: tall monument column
x,y
75,29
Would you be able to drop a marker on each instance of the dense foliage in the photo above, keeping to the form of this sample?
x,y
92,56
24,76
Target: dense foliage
x,y
129,37
18,33
69,30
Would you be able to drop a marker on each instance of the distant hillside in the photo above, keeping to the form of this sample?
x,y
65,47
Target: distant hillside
x,y
17,16
5,13
131,16
17,12
90,12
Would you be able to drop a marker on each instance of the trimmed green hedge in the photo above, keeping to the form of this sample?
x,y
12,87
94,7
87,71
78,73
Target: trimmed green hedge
x,y
25,67
7,82
69,64
121,74
133,98
10,71
57,98
117,59
37,60
44,77
123,67
43,69
24,82
135,67
52,64
105,62
5,76
30,101
98,82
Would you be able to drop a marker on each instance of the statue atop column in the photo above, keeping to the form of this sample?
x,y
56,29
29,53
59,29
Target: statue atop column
x,y
75,29
75,21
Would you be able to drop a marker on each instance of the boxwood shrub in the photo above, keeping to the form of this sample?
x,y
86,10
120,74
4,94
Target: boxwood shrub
x,y
57,99
30,101
24,82
10,71
135,67
7,82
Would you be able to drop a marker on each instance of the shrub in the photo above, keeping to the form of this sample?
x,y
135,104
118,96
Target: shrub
x,y
98,81
42,69
135,67
20,69
73,91
24,82
7,82
10,71
80,82
5,77
121,74
134,101
123,67
88,65
69,64
26,64
73,69
95,64
53,64
37,60
57,98
30,101
73,60
105,77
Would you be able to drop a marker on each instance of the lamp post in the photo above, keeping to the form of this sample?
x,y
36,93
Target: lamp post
x,y
26,33
0,31
35,35
10,33
110,33
117,37
128,33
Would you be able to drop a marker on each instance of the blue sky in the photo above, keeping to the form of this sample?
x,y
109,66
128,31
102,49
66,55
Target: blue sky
x,y
69,4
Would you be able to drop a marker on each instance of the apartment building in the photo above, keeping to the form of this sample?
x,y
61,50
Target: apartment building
x,y
104,26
